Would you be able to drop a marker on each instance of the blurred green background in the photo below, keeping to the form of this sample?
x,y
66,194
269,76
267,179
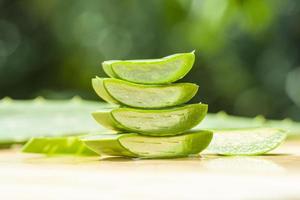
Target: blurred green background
x,y
247,51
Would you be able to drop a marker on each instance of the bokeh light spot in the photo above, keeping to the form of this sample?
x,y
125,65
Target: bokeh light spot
x,y
293,85
9,38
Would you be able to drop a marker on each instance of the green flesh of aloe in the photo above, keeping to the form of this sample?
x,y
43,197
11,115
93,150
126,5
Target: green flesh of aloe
x,y
151,71
71,145
134,145
143,96
164,122
253,141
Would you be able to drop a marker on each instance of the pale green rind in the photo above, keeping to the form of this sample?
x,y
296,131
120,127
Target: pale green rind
x,y
106,65
151,71
108,144
99,88
71,145
162,122
253,141
134,145
21,120
143,96
105,119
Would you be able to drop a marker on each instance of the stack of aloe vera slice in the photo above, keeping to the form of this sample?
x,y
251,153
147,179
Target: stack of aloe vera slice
x,y
151,117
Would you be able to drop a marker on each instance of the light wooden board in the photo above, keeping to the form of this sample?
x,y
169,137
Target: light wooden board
x,y
274,176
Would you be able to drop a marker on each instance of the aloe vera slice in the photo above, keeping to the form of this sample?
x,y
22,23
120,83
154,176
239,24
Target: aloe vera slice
x,y
162,122
98,85
253,141
151,71
57,145
143,96
134,145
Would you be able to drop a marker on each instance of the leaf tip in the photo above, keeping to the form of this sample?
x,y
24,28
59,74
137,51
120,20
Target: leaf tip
x,y
39,99
6,100
76,99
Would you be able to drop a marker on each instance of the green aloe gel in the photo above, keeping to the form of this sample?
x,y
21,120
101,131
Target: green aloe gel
x,y
135,145
163,122
151,71
143,96
252,141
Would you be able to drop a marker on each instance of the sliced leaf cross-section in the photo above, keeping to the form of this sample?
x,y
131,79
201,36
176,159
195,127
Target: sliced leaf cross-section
x,y
151,71
252,141
143,96
164,122
134,145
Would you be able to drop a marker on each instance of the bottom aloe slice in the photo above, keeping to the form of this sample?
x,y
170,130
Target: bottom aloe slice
x,y
253,141
134,145
57,145
164,122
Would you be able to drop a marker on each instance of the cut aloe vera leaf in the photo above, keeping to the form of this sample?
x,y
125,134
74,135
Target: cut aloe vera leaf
x,y
253,141
222,120
57,145
21,120
134,145
162,122
151,71
143,96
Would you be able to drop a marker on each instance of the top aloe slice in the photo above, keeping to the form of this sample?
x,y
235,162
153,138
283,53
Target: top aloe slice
x,y
251,141
172,121
143,96
151,71
134,145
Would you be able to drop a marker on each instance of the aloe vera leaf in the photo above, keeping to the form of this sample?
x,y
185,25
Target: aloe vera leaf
x,y
22,119
253,141
151,71
143,96
135,145
162,122
71,145
222,120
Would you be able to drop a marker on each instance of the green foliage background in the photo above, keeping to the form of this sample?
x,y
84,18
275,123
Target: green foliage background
x,y
247,50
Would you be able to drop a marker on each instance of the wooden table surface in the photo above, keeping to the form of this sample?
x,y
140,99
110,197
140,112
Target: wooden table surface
x,y
273,176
